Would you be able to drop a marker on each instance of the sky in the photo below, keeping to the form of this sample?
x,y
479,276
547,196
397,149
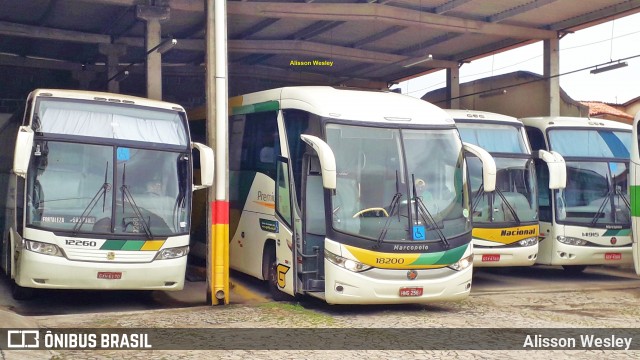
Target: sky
x,y
592,46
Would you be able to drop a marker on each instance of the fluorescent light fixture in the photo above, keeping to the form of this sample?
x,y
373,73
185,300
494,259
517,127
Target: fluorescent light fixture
x,y
618,65
428,58
493,93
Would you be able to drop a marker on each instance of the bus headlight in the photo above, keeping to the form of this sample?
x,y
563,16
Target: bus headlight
x,y
528,241
42,248
463,263
348,264
172,253
571,240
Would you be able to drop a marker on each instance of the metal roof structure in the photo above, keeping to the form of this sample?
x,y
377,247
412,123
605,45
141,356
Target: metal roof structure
x,y
364,43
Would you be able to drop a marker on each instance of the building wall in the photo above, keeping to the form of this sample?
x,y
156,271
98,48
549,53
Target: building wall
x,y
528,99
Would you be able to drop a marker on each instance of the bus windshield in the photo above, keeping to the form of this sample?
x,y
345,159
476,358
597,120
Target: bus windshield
x,y
591,143
513,200
399,184
597,188
71,187
596,194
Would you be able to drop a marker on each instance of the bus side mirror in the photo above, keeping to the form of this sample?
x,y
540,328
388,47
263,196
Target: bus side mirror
x,y
327,160
488,165
206,165
557,168
22,154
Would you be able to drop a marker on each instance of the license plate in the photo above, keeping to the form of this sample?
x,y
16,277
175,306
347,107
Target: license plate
x,y
490,257
613,256
410,291
109,275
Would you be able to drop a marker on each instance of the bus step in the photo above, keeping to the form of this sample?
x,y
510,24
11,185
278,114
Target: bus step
x,y
315,285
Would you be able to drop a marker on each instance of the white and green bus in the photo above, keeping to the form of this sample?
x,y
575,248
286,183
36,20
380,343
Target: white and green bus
x,y
634,191
96,192
353,197
505,222
589,221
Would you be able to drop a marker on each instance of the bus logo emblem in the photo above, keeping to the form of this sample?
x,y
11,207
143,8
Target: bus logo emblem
x,y
412,274
111,255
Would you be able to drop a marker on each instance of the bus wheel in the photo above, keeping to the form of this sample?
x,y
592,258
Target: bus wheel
x,y
272,280
574,269
21,293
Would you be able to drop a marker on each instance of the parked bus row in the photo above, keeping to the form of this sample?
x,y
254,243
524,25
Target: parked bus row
x,y
367,197
353,197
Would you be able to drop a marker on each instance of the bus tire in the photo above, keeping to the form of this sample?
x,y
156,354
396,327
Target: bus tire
x,y
272,278
574,269
21,293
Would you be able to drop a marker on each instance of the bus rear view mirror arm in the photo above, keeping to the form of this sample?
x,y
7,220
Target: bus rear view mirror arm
x,y
488,165
207,163
327,160
557,168
22,154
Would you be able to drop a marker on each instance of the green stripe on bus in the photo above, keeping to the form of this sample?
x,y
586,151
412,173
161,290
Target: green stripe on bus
x,y
442,257
133,245
635,200
618,232
113,245
255,108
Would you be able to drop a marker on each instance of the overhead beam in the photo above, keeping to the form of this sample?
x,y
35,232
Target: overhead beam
x,y
449,5
184,5
518,10
386,14
377,36
308,48
13,29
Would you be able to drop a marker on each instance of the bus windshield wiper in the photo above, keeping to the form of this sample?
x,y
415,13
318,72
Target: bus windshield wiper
x,y
511,209
422,211
126,193
385,228
596,216
102,192
476,199
392,209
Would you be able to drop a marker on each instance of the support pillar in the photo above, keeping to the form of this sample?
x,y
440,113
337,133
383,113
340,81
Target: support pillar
x,y
551,71
153,15
453,88
113,53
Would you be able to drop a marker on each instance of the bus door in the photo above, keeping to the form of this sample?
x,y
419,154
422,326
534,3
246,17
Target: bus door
x,y
311,273
304,239
287,231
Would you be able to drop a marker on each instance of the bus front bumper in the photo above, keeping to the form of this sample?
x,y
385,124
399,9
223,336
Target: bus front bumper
x,y
564,254
54,272
499,256
384,286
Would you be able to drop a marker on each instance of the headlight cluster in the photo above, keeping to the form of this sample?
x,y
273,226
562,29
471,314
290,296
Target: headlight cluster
x,y
528,241
571,240
463,263
172,253
348,264
43,248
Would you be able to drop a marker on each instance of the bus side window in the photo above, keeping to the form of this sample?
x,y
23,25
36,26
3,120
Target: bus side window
x,y
259,132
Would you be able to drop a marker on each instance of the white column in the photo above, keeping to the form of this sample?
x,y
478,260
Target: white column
x,y
552,69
